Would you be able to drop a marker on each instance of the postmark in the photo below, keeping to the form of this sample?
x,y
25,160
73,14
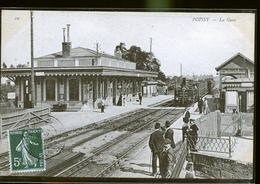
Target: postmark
x,y
26,150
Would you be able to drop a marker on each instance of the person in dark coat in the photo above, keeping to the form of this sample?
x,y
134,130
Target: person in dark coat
x,y
167,160
193,136
140,98
200,105
156,146
185,126
119,103
186,116
169,134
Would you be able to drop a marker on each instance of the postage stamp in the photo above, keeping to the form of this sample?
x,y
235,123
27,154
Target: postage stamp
x,y
26,150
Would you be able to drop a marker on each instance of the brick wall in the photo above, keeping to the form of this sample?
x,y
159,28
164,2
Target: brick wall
x,y
222,168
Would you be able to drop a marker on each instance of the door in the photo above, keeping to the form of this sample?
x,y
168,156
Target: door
x,y
27,94
74,90
242,101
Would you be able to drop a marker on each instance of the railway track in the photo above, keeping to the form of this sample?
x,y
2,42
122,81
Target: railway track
x,y
75,138
108,156
105,128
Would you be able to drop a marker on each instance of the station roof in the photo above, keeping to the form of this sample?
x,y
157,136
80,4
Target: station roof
x,y
77,71
237,61
161,82
238,80
78,52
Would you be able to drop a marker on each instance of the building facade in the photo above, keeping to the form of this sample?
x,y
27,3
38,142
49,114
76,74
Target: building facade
x,y
236,77
77,76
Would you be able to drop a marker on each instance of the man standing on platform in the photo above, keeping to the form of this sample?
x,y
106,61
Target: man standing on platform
x,y
206,106
168,160
193,133
200,105
102,105
169,134
140,98
185,126
156,146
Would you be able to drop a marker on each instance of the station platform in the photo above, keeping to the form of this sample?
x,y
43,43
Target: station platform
x,y
139,164
73,120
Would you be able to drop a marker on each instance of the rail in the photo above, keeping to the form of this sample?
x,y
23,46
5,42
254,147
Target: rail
x,y
97,151
24,119
179,161
212,144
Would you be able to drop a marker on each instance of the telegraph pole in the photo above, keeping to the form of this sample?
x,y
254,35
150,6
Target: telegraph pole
x,y
32,63
97,48
151,43
181,70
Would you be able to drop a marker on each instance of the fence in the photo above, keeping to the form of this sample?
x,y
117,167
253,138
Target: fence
x,y
211,144
24,119
216,124
179,161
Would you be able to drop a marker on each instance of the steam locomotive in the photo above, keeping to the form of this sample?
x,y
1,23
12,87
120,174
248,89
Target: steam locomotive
x,y
190,91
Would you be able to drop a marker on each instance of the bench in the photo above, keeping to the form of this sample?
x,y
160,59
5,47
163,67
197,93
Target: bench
x,y
59,107
99,105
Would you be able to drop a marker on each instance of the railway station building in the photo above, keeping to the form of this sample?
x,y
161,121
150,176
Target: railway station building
x,y
78,75
236,76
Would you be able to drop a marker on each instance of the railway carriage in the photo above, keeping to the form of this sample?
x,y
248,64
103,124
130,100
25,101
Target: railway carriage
x,y
190,91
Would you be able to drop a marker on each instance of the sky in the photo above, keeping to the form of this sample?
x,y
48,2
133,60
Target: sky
x,y
198,42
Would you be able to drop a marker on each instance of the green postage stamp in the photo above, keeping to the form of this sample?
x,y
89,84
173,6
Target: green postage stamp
x,y
26,150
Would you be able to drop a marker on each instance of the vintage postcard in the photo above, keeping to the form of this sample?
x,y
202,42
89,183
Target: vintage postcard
x,y
160,96
26,151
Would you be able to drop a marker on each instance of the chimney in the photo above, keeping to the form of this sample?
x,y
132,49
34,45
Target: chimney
x,y
68,33
66,46
64,34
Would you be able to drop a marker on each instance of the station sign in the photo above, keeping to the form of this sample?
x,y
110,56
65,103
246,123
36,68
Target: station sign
x,y
11,95
39,73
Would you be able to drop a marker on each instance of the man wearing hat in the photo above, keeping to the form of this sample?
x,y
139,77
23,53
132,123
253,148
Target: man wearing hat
x,y
185,126
206,106
167,159
169,134
156,146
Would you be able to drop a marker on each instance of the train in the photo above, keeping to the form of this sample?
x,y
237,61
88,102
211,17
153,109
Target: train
x,y
190,91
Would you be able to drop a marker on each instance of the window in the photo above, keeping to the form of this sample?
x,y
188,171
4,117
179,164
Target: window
x,y
74,90
50,89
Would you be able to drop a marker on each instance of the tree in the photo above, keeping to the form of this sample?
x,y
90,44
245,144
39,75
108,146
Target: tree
x,y
120,50
144,60
161,76
141,58
4,65
6,88
21,65
155,65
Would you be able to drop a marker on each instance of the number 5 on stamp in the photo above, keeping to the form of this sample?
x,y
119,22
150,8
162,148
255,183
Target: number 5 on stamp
x,y
26,150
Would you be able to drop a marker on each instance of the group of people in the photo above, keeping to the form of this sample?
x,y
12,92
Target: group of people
x,y
162,144
203,106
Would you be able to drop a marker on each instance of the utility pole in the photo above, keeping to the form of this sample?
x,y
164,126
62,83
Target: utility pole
x,y
97,48
151,43
181,70
97,45
32,63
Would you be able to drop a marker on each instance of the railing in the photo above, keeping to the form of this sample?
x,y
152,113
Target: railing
x,y
179,161
24,119
211,144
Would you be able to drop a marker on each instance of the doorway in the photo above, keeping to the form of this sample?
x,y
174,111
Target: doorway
x,y
27,94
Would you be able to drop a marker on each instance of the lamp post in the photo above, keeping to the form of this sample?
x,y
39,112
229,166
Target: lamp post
x,y
32,63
